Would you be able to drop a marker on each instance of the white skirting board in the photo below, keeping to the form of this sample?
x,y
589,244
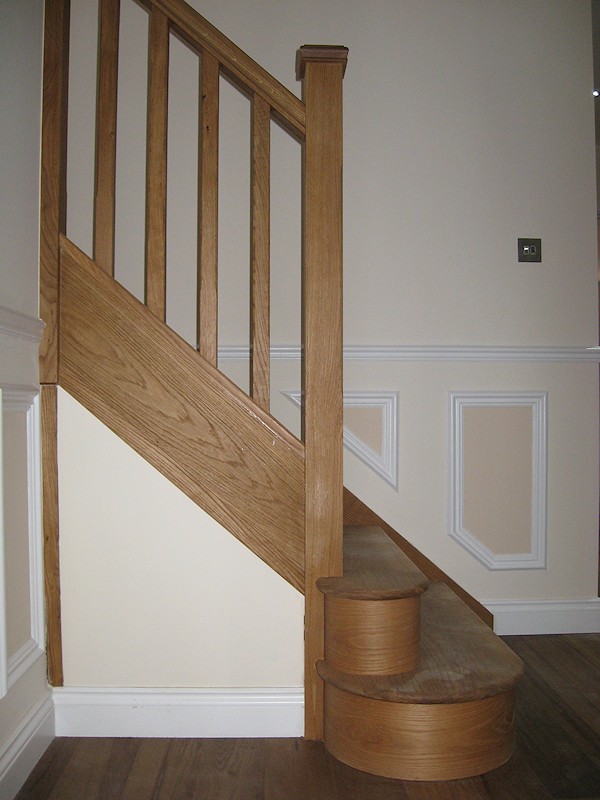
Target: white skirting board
x,y
21,752
544,616
179,713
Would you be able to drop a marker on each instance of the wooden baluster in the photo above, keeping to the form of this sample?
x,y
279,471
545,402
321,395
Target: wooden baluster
x,y
322,69
53,191
106,136
260,371
208,210
156,164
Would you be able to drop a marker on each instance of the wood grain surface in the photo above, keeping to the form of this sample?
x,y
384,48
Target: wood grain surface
x,y
49,420
189,421
419,741
323,359
358,513
208,209
243,69
461,659
106,135
372,637
374,568
156,165
260,250
53,195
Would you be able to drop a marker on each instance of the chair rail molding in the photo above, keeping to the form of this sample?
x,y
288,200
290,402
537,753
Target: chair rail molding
x,y
535,558
429,353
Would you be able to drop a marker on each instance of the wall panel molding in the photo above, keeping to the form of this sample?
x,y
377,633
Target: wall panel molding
x,y
535,558
385,462
14,665
429,353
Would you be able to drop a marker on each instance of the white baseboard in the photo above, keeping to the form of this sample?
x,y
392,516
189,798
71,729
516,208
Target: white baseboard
x,y
25,747
545,616
179,713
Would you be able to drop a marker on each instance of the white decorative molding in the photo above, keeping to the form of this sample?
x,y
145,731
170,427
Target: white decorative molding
x,y
537,401
13,323
26,745
384,463
26,399
522,617
428,353
3,646
179,713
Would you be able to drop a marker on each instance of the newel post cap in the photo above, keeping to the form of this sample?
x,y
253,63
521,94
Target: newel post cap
x,y
322,54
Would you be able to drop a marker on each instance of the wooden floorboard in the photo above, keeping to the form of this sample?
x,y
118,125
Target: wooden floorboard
x,y
557,755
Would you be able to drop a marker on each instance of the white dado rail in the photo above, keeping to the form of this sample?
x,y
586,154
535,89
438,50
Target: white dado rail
x,y
430,353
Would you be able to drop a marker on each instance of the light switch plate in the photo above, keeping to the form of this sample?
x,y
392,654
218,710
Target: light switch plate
x,y
529,250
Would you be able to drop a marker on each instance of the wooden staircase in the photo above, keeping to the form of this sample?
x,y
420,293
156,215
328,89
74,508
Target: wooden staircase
x,y
417,687
401,679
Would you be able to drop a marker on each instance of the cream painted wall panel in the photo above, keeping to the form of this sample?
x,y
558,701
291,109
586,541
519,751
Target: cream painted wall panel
x,y
16,535
419,509
23,695
19,360
498,477
155,593
366,423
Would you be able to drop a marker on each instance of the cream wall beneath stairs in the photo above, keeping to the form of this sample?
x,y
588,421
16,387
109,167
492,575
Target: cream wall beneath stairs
x,y
154,592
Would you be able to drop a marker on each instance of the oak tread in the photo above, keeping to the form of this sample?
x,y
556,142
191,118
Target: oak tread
x,y
461,659
374,568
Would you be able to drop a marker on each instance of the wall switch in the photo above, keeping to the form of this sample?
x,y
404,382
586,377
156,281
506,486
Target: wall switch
x,y
529,249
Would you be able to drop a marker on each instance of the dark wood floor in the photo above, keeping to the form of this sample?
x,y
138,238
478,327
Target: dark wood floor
x,y
557,756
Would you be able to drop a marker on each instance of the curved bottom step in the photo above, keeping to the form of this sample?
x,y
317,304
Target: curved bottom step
x,y
416,741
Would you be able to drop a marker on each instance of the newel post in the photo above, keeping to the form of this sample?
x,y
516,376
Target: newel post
x,y
322,69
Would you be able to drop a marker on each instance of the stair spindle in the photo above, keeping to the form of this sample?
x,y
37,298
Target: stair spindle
x,y
156,164
208,204
260,249
106,136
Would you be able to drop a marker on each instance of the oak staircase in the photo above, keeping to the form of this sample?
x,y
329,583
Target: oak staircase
x,y
401,679
417,687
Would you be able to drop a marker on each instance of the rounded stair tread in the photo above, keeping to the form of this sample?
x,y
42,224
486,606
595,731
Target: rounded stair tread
x,y
461,659
375,568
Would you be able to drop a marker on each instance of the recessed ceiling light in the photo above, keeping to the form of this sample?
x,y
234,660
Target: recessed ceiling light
x,y
596,93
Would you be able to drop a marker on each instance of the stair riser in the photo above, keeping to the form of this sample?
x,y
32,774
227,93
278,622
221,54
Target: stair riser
x,y
417,741
372,637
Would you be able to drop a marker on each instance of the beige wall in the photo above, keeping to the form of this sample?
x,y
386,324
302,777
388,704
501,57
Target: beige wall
x,y
467,125
497,464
